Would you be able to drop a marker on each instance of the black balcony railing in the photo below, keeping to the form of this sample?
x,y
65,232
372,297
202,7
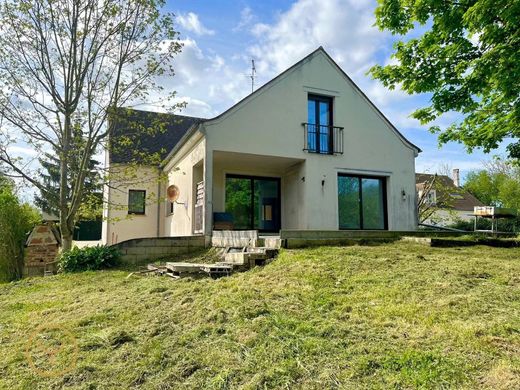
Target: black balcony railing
x,y
323,139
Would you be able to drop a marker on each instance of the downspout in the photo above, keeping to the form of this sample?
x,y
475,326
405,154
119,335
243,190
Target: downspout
x,y
158,201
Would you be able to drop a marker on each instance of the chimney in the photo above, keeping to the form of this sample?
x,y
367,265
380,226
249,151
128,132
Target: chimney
x,y
456,177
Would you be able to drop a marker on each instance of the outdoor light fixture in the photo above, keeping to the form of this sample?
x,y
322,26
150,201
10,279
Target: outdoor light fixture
x,y
403,194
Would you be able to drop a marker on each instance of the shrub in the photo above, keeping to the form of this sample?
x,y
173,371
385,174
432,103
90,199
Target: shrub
x,y
504,225
16,220
89,259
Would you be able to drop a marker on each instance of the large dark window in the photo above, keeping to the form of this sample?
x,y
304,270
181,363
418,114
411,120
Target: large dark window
x,y
319,124
253,202
136,201
362,202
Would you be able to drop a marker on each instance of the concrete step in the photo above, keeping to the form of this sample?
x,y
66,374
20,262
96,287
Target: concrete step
x,y
270,242
249,257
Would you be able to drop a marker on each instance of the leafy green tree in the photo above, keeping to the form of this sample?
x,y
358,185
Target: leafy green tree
x,y
466,54
497,185
484,186
65,68
16,220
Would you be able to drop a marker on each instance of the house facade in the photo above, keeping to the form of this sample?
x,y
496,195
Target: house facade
x,y
443,200
306,151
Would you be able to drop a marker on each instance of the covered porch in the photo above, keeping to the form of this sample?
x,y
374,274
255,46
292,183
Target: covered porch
x,y
254,192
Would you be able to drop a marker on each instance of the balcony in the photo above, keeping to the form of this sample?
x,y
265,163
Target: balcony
x,y
323,139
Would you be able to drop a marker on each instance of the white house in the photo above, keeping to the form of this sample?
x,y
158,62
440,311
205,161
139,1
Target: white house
x,y
308,150
445,202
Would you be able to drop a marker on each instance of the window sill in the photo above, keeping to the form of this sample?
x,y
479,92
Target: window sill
x,y
321,153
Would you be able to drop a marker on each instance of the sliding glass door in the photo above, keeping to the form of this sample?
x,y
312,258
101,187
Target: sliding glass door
x,y
362,202
253,202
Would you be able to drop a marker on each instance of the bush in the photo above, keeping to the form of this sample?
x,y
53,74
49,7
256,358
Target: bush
x,y
16,220
89,259
504,225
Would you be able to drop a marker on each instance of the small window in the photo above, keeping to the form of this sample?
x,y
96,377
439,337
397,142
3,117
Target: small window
x,y
431,198
136,201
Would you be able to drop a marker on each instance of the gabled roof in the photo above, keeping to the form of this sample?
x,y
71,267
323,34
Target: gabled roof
x,y
300,63
179,128
146,132
462,199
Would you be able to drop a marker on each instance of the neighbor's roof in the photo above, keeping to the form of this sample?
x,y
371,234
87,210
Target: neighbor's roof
x,y
462,199
136,133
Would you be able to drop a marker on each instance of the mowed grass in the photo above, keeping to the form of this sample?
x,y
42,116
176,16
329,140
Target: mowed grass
x,y
391,316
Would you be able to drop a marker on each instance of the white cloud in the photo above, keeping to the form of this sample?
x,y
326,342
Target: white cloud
x,y
383,96
207,82
246,18
344,27
190,22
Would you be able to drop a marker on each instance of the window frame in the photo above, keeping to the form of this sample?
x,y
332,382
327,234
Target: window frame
x,y
383,180
132,212
252,179
330,101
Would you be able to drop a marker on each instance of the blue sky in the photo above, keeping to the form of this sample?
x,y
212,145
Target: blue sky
x,y
221,37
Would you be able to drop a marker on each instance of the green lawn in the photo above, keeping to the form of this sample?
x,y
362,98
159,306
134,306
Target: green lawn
x,y
392,316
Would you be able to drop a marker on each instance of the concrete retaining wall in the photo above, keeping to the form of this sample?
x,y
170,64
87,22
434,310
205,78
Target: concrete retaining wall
x,y
149,249
306,238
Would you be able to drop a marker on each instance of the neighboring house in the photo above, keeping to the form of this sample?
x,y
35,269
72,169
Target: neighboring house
x,y
308,150
447,200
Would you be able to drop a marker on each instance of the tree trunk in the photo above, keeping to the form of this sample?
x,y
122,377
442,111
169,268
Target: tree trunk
x,y
66,234
66,241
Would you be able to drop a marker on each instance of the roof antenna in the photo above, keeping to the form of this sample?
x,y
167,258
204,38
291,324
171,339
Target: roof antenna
x,y
252,75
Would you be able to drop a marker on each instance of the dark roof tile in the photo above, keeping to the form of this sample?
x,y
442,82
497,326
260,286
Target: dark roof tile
x,y
139,136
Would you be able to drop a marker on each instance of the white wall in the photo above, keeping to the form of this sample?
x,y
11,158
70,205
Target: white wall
x,y
445,217
294,212
120,226
270,124
180,172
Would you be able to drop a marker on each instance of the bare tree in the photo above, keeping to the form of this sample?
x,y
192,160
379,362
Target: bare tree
x,y
436,193
65,67
444,169
426,204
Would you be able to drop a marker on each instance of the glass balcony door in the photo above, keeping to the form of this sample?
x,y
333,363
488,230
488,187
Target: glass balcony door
x,y
319,122
362,202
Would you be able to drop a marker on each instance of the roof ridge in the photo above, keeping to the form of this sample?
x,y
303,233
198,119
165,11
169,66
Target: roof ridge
x,y
162,113
278,76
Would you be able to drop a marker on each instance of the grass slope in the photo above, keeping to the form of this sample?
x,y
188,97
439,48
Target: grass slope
x,y
391,316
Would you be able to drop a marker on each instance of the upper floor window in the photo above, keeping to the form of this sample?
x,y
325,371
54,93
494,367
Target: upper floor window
x,y
136,201
429,198
319,122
